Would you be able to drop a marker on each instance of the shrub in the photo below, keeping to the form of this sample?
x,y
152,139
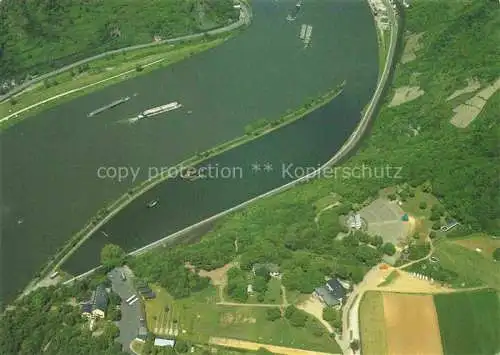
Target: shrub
x,y
273,314
422,205
496,254
389,249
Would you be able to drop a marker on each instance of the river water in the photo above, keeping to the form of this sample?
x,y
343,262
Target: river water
x,y
50,185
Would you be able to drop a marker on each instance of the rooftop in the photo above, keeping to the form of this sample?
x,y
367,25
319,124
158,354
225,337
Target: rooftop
x,y
327,296
164,342
100,299
336,288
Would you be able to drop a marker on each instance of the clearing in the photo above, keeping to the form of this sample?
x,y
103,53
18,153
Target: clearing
x,y
314,307
412,45
407,319
383,217
240,344
372,324
467,112
470,265
472,86
469,322
405,94
480,241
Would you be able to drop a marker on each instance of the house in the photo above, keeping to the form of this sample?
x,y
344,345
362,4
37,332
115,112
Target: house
x,y
357,221
332,294
249,289
96,307
86,310
99,302
164,342
274,270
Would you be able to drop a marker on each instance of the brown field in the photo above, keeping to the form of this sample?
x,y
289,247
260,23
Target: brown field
x,y
411,324
248,345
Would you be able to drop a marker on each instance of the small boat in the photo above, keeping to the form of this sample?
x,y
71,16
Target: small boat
x,y
152,204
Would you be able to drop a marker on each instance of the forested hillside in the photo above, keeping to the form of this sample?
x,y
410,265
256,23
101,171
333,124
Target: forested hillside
x,y
460,166
39,35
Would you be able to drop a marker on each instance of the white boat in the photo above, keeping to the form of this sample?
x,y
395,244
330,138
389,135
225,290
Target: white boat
x,y
160,109
152,204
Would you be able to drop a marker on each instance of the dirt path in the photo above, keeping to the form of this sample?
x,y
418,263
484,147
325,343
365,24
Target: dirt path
x,y
314,307
318,215
284,301
248,345
236,304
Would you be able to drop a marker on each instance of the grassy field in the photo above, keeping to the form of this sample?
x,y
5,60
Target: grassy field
x,y
100,70
389,279
470,265
479,240
411,205
372,324
199,318
469,322
40,36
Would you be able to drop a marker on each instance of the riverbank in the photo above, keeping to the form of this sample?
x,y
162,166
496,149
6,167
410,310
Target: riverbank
x,y
104,72
107,213
108,68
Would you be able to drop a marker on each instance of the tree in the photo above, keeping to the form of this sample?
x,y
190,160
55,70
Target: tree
x,y
436,225
263,351
354,345
496,254
273,314
377,241
260,284
389,249
13,101
139,68
181,346
112,256
422,205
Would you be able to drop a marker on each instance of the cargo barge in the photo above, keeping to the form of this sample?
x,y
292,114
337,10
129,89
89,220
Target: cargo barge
x,y
107,107
160,109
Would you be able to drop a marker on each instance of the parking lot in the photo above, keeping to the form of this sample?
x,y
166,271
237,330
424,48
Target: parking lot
x,y
383,217
131,314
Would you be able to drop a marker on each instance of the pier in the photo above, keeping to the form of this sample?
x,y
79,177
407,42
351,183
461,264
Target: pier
x,y
307,39
303,32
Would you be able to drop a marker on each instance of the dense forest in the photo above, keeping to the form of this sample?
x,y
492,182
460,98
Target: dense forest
x,y
49,321
39,35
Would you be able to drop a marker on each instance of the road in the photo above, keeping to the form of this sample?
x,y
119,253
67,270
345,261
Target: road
x,y
131,315
245,19
350,315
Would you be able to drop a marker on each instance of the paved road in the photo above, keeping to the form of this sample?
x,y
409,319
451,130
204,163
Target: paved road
x,y
244,19
131,315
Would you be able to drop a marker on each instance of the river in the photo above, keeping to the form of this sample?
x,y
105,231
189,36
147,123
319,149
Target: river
x,y
50,186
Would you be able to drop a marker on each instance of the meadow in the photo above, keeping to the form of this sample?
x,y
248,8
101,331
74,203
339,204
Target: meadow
x,y
469,322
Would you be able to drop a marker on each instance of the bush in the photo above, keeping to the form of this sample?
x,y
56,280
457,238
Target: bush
x,y
496,254
273,314
436,225
139,67
422,205
392,197
389,249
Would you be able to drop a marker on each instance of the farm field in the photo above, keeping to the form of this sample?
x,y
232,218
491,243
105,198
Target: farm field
x,y
198,317
407,318
469,322
372,324
470,265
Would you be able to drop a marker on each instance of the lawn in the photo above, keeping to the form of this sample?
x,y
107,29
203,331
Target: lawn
x,y
326,201
411,205
481,241
250,324
389,279
372,324
470,265
200,318
469,322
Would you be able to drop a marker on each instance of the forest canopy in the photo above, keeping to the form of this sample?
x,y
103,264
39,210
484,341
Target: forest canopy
x,y
37,36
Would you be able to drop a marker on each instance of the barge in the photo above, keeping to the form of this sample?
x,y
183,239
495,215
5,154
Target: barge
x,y
107,107
160,109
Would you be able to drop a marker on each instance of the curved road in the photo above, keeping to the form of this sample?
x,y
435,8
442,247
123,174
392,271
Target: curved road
x,y
245,19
